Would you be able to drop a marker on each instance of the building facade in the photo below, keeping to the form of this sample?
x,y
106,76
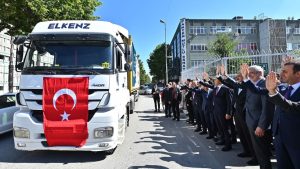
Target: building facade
x,y
5,46
190,43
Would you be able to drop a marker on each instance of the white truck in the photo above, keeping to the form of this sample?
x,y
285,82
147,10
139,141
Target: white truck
x,y
97,50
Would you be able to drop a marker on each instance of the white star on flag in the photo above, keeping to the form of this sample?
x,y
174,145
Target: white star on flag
x,y
65,116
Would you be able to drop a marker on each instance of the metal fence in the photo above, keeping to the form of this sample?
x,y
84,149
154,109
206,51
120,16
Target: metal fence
x,y
269,62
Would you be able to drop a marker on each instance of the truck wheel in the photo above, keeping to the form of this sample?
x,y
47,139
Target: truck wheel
x,y
127,116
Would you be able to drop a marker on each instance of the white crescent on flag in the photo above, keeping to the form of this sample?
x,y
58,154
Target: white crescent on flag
x,y
62,92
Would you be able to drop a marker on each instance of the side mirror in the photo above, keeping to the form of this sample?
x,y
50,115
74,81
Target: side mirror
x,y
20,66
128,53
127,66
19,58
20,53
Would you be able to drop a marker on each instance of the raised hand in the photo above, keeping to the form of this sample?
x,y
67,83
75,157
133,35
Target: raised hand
x,y
286,60
218,70
271,82
244,69
222,70
205,76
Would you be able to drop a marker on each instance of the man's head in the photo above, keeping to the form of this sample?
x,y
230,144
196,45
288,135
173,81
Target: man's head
x,y
255,73
217,82
239,77
290,73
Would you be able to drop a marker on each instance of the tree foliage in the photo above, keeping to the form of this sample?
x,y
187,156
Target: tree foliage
x,y
157,62
223,46
144,77
20,16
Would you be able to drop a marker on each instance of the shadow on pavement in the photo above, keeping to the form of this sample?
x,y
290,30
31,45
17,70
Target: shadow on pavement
x,y
148,167
176,142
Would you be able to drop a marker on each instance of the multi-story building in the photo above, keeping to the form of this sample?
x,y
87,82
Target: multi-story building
x,y
191,40
5,46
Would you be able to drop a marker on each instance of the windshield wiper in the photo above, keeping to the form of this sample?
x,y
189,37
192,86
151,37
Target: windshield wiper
x,y
86,72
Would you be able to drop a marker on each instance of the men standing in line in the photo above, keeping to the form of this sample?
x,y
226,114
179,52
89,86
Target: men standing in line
x,y
239,98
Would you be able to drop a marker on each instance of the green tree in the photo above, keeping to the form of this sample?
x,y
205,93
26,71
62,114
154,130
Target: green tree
x,y
20,16
223,46
144,77
157,63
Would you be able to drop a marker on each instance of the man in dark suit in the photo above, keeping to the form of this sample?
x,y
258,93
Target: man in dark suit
x,y
222,111
239,98
167,98
287,115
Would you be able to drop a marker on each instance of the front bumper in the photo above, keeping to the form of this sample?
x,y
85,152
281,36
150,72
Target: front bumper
x,y
37,140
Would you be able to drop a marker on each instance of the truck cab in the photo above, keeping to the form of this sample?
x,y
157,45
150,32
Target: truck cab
x,y
96,50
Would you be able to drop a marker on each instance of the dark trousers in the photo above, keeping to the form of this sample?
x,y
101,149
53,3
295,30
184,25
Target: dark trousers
x,y
262,149
190,113
222,124
197,110
156,103
175,109
243,132
231,126
287,156
210,123
167,109
203,121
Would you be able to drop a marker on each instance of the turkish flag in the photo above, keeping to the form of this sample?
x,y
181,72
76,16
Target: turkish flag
x,y
65,111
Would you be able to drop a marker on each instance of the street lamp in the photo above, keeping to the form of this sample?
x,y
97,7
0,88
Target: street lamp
x,y
162,21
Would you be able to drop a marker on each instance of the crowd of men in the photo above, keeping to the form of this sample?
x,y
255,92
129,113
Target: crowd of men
x,y
263,112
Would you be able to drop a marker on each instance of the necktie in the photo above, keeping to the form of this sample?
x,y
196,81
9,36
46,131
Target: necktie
x,y
288,92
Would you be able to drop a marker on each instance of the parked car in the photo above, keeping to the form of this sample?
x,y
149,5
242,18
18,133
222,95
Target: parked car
x,y
7,110
145,90
160,86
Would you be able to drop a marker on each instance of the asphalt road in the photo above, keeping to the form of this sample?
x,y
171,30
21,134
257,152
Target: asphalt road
x,y
152,141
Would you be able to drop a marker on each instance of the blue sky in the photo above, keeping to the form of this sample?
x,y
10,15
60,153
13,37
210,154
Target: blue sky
x,y
141,17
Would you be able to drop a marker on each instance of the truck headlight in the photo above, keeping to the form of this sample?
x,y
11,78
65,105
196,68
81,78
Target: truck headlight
x,y
20,132
103,132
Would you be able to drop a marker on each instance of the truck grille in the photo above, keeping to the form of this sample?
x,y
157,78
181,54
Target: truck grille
x,y
38,115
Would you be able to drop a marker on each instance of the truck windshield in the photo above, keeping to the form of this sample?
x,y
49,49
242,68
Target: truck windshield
x,y
62,55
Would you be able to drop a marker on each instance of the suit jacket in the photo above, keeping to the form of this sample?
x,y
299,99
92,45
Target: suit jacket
x,y
166,95
188,97
287,117
259,111
238,98
222,101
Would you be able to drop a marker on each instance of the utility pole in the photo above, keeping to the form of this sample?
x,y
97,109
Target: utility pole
x,y
11,67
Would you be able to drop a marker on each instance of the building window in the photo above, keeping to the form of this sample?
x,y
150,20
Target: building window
x,y
288,30
297,31
245,29
289,46
197,30
297,46
247,46
196,63
198,47
220,29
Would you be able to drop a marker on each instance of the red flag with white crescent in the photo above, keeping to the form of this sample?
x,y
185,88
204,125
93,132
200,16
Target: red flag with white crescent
x,y
65,111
